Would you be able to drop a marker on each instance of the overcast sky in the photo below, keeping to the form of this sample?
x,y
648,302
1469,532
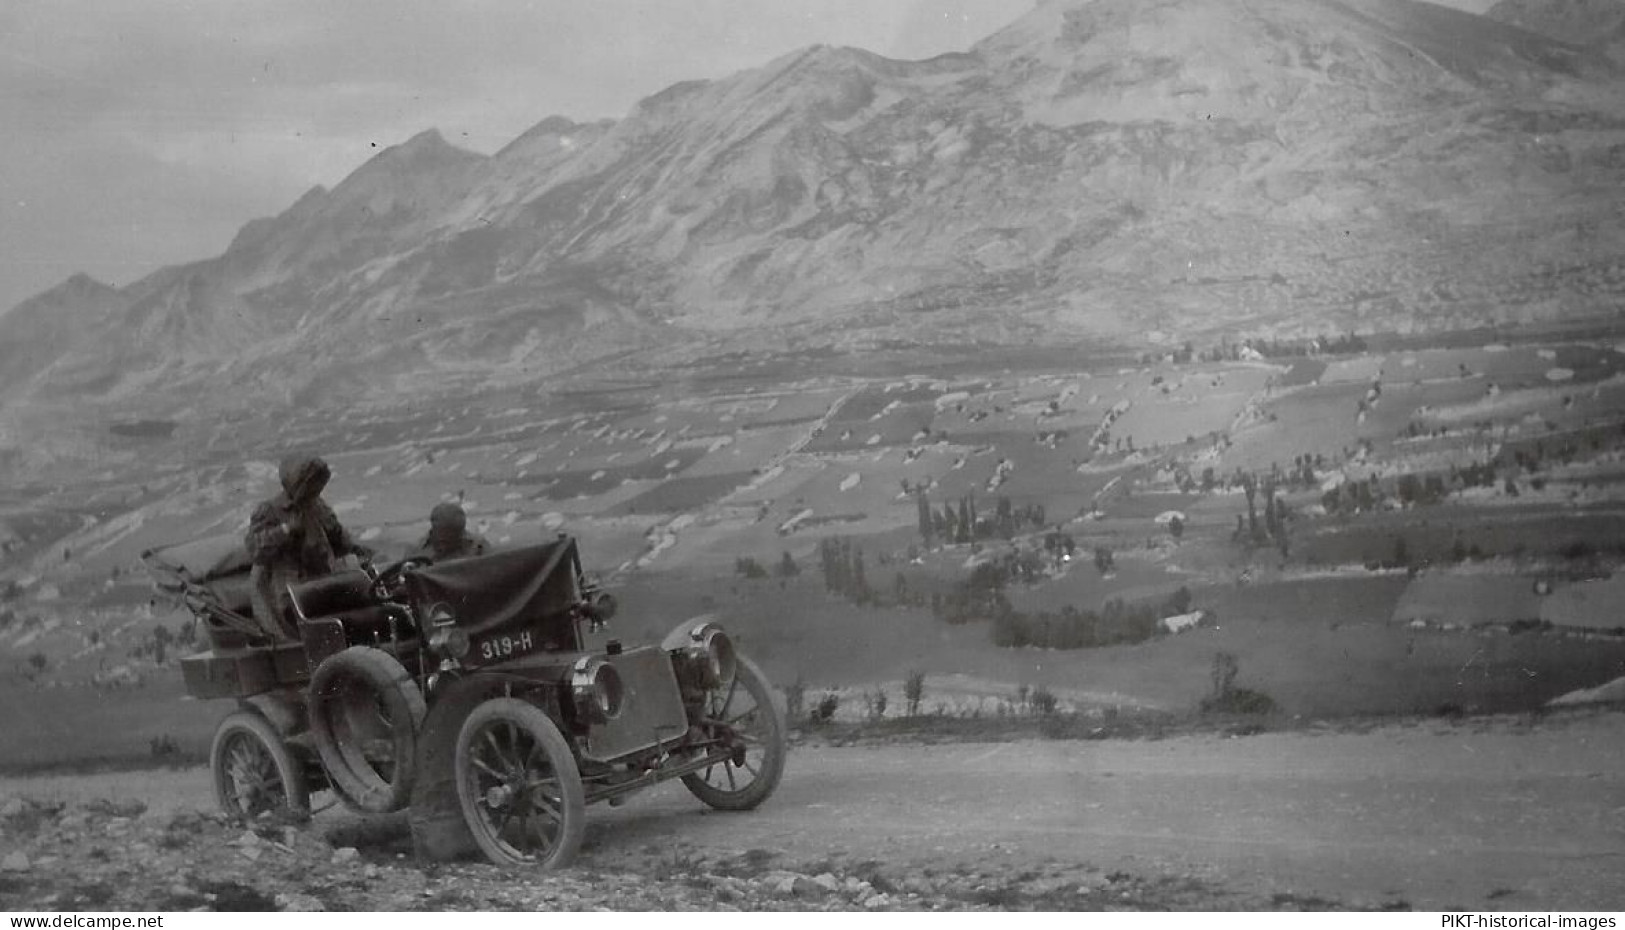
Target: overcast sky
x,y
140,133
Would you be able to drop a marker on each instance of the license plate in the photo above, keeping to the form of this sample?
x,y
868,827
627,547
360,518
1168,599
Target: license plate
x,y
501,647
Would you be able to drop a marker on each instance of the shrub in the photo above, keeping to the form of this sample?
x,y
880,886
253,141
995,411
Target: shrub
x,y
1226,698
787,567
1222,673
1044,701
795,699
874,704
913,691
825,711
1180,601
1241,701
1104,562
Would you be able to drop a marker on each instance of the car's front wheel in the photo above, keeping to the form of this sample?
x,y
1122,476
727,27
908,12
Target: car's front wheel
x,y
519,786
742,715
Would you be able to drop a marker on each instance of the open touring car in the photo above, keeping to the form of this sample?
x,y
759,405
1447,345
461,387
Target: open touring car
x,y
465,693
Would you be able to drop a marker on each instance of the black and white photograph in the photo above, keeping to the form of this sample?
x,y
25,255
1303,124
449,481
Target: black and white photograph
x,y
865,456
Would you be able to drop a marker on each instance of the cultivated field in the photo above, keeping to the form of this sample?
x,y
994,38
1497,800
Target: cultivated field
x,y
1054,487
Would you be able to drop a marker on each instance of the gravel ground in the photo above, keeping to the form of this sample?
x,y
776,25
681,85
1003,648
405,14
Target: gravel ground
x,y
1479,814
107,855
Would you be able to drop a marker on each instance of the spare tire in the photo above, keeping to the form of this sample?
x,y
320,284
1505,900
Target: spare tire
x,y
365,713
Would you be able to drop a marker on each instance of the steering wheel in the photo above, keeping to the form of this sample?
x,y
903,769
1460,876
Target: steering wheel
x,y
385,580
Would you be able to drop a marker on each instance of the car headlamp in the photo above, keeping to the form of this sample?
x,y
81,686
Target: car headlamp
x,y
449,641
711,651
446,638
597,688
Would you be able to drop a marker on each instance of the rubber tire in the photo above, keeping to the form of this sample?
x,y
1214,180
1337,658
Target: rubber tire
x,y
573,801
352,779
288,768
772,769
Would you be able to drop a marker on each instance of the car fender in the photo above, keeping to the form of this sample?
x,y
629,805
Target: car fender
x,y
680,637
285,715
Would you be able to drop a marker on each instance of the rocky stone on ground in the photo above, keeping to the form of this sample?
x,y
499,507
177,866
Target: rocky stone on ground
x,y
116,856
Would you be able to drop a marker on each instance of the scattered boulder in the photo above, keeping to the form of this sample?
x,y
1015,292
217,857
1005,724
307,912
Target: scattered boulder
x,y
876,901
15,862
345,854
294,901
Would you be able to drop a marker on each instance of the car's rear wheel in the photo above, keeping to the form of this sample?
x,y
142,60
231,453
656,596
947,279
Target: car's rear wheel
x,y
255,774
741,712
519,786
365,713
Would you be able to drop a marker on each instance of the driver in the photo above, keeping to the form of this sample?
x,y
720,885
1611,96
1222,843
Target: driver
x,y
449,537
293,537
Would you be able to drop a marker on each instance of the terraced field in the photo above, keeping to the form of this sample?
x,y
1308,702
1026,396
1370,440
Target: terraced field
x,y
668,488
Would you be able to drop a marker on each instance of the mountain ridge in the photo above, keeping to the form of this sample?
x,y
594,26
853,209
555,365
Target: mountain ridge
x,y
1095,169
1584,23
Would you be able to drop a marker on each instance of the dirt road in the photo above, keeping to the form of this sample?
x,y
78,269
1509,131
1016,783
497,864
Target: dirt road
x,y
1478,815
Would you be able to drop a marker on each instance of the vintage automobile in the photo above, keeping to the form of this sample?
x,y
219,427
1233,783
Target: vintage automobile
x,y
466,693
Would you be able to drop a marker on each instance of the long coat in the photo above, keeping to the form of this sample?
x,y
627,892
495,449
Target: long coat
x,y
291,541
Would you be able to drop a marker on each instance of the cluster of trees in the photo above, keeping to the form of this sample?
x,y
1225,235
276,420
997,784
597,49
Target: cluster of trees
x,y
158,645
1071,628
846,574
1353,497
1415,430
1076,629
980,596
1531,458
748,567
1411,489
1250,530
842,565
1345,344
1304,474
963,524
1059,544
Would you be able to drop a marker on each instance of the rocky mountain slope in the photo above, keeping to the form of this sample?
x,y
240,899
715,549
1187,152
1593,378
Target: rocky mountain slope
x,y
1114,169
1588,23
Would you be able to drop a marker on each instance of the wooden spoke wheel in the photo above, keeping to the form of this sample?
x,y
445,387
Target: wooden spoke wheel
x,y
254,774
741,713
519,786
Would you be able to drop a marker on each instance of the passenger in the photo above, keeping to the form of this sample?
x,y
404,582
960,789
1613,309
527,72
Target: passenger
x,y
449,537
293,537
